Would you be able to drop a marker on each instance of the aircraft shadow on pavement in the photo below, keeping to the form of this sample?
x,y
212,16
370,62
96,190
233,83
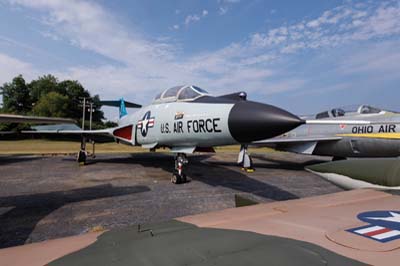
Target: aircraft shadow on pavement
x,y
10,159
213,173
27,210
284,164
272,164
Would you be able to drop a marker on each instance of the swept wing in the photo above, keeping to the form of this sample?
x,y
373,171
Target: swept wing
x,y
9,118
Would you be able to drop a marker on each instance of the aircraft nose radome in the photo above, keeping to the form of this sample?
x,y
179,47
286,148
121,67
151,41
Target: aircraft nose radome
x,y
251,121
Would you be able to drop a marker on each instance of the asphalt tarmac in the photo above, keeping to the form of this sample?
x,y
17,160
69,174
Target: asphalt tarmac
x,y
50,197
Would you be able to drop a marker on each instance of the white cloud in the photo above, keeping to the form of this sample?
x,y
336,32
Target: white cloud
x,y
90,27
148,65
10,67
225,4
376,59
334,27
195,17
191,18
222,10
229,1
50,35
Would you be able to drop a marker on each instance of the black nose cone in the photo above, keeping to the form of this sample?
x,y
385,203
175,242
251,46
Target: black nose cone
x,y
251,121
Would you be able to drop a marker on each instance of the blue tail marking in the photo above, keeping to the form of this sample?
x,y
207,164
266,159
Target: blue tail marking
x,y
122,108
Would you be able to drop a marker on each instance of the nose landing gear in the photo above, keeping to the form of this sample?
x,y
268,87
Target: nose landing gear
x,y
245,159
178,175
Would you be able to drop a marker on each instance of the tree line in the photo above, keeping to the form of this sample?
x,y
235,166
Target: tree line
x,y
47,96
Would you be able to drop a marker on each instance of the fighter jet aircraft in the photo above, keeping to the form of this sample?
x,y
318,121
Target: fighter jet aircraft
x,y
377,139
187,118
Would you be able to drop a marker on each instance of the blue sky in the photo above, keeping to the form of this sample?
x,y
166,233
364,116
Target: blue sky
x,y
304,56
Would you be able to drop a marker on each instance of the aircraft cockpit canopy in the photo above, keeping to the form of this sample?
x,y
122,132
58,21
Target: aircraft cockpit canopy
x,y
366,109
349,111
180,93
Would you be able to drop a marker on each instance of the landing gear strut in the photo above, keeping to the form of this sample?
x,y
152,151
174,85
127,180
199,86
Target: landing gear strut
x,y
245,159
179,176
81,158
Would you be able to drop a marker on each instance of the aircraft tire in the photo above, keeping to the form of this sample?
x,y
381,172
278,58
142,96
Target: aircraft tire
x,y
183,178
176,178
82,157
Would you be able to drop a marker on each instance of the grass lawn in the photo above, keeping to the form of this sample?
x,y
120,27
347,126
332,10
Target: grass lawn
x,y
39,146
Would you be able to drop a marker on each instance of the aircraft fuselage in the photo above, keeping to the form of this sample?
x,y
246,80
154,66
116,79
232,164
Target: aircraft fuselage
x,y
379,139
206,124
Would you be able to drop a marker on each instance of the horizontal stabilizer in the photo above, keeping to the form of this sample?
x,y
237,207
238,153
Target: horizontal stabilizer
x,y
118,103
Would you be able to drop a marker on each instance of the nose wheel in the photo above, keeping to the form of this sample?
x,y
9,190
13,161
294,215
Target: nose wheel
x,y
245,159
178,176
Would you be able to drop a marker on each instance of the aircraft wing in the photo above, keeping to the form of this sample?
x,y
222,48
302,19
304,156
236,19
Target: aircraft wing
x,y
8,118
295,140
123,133
357,227
70,132
294,144
337,122
306,145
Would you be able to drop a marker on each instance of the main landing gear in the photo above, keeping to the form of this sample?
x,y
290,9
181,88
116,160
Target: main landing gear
x,y
83,154
245,159
178,175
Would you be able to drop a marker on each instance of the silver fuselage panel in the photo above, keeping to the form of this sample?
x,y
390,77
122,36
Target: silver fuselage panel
x,y
181,124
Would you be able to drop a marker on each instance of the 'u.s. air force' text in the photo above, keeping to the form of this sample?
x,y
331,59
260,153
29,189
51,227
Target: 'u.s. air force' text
x,y
210,125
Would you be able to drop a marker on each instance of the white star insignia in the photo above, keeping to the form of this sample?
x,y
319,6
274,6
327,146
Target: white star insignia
x,y
144,125
395,217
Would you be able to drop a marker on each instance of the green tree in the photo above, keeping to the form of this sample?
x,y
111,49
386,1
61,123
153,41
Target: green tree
x,y
43,85
98,115
52,104
75,92
16,96
46,96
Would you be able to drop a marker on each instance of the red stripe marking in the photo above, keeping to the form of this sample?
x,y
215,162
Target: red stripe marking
x,y
124,133
377,232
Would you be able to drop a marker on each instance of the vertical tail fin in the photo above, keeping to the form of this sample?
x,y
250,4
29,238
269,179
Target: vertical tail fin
x,y
121,104
122,108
